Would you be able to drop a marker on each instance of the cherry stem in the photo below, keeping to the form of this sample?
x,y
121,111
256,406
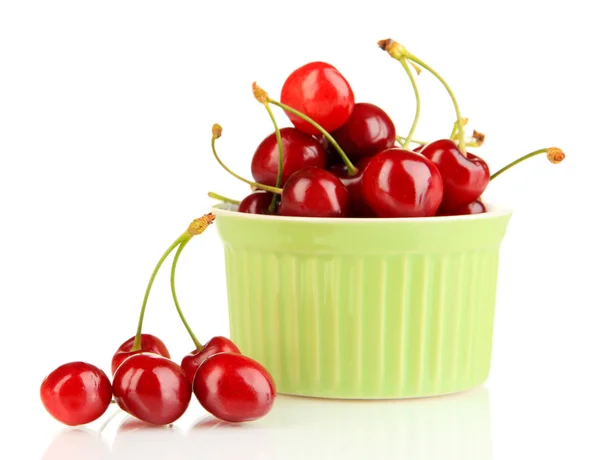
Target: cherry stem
x,y
418,102
397,51
137,343
196,227
216,134
554,155
352,170
280,161
454,133
199,346
222,198
400,139
454,130
461,132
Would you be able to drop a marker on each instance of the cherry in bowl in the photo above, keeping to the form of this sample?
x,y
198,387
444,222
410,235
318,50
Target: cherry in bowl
x,y
402,183
465,177
300,151
319,91
257,202
314,192
368,131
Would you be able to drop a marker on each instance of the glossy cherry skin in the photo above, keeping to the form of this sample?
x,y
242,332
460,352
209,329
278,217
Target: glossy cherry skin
x,y
152,388
474,207
358,206
402,183
234,387
192,361
150,344
76,393
257,202
319,91
465,178
300,150
368,131
314,192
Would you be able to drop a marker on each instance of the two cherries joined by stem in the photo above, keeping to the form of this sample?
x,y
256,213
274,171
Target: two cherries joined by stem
x,y
148,385
229,385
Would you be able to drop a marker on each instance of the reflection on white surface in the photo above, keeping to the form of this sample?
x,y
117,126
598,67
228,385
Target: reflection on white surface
x,y
135,439
449,427
77,443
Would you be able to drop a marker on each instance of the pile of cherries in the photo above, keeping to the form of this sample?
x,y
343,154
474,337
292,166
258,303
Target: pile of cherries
x,y
150,386
343,158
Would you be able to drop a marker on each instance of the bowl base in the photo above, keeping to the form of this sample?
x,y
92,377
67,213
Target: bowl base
x,y
381,398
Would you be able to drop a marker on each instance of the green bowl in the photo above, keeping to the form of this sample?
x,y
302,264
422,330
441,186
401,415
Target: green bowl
x,y
364,308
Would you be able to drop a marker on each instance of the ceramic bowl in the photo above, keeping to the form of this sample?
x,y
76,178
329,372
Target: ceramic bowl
x,y
364,308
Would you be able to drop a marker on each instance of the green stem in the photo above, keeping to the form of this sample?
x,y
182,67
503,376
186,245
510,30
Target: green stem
x,y
352,171
199,346
454,129
401,139
137,343
519,160
273,204
418,101
222,198
268,188
461,133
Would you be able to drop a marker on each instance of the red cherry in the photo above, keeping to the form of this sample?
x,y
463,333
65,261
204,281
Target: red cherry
x,y
150,344
194,359
257,202
319,91
465,178
402,183
358,207
300,151
368,131
152,388
76,393
314,192
234,387
474,207
418,148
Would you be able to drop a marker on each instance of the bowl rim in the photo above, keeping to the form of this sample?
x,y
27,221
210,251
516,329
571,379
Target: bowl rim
x,y
494,210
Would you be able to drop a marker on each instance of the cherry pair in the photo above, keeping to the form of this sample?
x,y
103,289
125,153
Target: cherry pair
x,y
148,385
229,385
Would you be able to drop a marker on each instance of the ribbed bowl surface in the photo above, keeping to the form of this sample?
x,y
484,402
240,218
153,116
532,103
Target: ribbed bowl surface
x,y
364,309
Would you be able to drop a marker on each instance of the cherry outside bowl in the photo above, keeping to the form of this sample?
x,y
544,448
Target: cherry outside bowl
x,y
364,308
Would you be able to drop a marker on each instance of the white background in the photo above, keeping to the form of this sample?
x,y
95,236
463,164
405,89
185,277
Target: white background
x,y
105,117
